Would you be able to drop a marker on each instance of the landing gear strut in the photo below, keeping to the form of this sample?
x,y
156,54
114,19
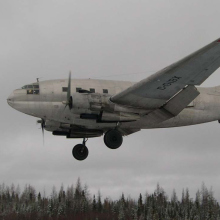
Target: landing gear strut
x,y
113,139
80,151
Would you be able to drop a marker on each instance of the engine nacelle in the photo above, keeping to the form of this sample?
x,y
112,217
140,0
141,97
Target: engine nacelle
x,y
99,107
111,117
79,133
55,126
80,101
118,117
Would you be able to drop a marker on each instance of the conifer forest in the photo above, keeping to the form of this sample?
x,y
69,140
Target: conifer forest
x,y
75,202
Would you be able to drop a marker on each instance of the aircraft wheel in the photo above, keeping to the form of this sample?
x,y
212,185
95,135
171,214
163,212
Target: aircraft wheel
x,y
80,152
113,139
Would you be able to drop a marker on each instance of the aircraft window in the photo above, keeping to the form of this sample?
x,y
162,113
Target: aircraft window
x,y
33,91
36,86
105,90
64,89
33,86
92,90
77,89
30,91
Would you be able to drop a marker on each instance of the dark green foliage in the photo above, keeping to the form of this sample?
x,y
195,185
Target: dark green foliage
x,y
76,203
94,206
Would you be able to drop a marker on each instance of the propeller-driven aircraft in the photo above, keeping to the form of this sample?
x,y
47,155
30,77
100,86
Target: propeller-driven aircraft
x,y
86,108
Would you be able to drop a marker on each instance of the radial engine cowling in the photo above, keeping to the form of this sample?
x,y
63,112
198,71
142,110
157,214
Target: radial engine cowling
x,y
98,106
55,126
80,101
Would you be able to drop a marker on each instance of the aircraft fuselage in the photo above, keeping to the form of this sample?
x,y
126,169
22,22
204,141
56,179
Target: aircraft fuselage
x,y
48,104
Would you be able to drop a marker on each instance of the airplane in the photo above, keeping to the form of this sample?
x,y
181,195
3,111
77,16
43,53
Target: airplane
x,y
86,108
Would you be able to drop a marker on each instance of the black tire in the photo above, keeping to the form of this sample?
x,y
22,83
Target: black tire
x,y
80,152
113,139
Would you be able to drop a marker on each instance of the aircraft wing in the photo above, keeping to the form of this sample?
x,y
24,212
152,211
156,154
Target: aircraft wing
x,y
155,91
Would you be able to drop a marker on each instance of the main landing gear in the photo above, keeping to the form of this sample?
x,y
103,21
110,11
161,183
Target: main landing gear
x,y
113,139
80,151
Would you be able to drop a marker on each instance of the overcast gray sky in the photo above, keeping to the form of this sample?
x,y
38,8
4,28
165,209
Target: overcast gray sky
x,y
120,40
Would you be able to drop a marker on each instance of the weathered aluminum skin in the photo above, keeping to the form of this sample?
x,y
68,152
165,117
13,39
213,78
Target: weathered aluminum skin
x,y
48,104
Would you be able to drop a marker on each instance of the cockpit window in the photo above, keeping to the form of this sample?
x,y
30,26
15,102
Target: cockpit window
x,y
36,86
32,88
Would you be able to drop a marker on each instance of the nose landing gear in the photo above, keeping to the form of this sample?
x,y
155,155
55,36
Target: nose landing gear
x,y
80,151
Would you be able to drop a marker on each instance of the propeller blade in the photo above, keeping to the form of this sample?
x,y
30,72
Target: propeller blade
x,y
42,128
69,99
42,123
69,87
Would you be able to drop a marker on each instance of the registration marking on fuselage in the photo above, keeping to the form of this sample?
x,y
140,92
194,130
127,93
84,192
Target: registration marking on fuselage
x,y
169,82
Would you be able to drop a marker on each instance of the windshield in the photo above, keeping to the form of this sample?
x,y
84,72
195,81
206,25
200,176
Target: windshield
x,y
32,88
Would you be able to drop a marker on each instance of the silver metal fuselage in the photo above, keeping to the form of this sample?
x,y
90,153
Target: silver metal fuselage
x,y
48,104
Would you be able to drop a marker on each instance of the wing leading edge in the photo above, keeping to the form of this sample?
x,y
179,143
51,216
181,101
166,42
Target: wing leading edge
x,y
155,91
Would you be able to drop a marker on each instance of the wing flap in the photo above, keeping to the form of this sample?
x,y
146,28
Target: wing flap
x,y
174,106
181,100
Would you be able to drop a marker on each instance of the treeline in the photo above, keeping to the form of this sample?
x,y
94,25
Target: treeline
x,y
75,202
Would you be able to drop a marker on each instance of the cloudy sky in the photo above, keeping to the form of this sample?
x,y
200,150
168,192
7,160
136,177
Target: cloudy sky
x,y
120,40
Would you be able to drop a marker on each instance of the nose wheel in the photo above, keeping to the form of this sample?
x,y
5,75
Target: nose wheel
x,y
80,151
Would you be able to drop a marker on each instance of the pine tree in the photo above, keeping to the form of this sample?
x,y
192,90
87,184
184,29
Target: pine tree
x,y
140,205
94,204
54,193
156,206
99,202
121,214
204,200
70,199
174,198
39,197
78,189
135,213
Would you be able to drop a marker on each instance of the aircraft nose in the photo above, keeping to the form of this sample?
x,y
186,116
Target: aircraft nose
x,y
10,99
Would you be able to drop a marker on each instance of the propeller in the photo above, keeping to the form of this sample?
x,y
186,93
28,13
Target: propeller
x,y
42,122
69,100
